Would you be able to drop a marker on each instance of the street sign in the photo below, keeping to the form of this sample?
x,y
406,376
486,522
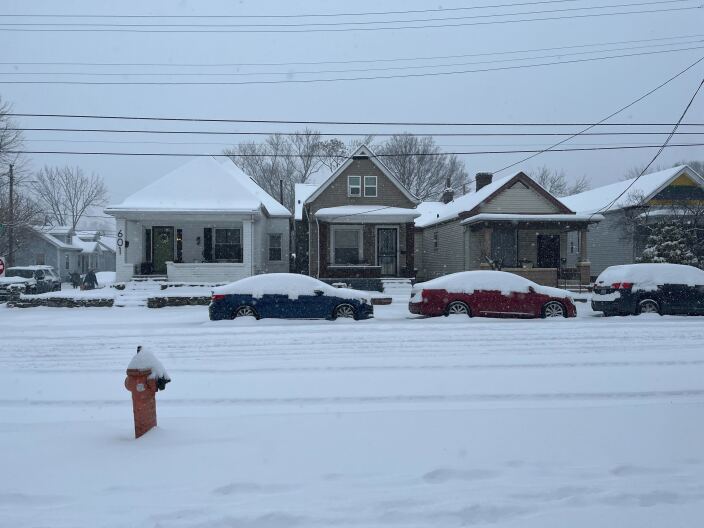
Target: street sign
x,y
2,266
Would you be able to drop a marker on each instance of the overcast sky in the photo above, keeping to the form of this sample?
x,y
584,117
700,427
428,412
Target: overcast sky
x,y
579,92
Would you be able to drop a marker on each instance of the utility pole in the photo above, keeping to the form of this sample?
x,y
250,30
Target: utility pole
x,y
11,223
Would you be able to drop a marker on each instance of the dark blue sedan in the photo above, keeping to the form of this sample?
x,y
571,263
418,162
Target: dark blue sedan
x,y
288,296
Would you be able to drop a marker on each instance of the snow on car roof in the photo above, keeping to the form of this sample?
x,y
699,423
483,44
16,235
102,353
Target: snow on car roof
x,y
488,280
33,268
644,187
290,284
649,276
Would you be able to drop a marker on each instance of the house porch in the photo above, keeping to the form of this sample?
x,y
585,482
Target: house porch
x,y
534,248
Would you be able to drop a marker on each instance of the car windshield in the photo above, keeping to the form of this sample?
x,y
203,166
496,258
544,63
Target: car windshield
x,y
316,263
24,273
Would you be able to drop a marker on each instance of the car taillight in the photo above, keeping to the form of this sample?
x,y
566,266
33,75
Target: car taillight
x,y
217,297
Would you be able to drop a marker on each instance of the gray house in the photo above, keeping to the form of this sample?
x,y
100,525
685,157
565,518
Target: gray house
x,y
205,221
67,250
511,223
612,242
357,226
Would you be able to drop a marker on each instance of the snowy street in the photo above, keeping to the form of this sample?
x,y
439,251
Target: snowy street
x,y
388,422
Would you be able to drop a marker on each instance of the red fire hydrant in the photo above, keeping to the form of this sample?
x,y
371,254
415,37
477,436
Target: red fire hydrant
x,y
145,376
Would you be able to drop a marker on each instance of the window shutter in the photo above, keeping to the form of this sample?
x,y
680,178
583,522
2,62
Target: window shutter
x,y
208,244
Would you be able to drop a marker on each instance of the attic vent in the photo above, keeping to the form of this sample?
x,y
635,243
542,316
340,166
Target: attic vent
x,y
360,157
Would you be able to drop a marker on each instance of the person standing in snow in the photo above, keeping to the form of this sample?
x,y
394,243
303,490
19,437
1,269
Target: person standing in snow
x,y
90,282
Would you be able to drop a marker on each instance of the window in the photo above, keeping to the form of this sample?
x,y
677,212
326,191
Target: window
x,y
179,245
435,240
228,245
354,186
347,245
275,241
67,262
370,186
39,259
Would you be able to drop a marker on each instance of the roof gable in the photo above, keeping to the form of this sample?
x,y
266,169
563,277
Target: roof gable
x,y
203,185
363,152
472,203
627,193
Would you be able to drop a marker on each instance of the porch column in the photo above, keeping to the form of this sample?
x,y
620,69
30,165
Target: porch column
x,y
124,270
247,259
486,247
583,265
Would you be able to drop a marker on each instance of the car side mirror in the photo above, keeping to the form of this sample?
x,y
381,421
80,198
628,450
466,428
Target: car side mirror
x,y
318,292
531,289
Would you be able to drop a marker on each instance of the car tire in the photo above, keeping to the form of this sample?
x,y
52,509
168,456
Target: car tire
x,y
245,311
553,309
457,308
344,311
648,306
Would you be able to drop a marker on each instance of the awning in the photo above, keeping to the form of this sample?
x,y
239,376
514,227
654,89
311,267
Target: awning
x,y
563,218
361,214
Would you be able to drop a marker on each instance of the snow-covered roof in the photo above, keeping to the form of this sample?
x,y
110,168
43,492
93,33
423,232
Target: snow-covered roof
x,y
203,185
483,217
643,189
437,212
43,232
367,213
301,193
363,150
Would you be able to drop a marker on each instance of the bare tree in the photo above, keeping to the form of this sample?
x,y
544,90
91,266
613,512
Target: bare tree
x,y
66,193
556,182
25,212
421,166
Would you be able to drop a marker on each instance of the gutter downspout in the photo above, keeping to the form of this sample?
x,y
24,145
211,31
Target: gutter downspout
x,y
317,269
251,244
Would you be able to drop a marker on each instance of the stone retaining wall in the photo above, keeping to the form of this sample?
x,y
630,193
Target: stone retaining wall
x,y
162,302
61,302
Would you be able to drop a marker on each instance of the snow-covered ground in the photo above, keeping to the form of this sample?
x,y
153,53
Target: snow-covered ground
x,y
389,422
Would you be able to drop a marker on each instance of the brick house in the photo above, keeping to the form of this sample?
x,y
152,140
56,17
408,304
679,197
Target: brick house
x,y
357,226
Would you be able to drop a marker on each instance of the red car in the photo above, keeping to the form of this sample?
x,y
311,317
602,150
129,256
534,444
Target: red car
x,y
489,294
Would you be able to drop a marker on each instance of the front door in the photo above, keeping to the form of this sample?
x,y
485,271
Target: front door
x,y
387,251
548,251
162,247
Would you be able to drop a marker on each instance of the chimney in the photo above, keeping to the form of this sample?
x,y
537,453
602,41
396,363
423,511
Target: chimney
x,y
483,179
448,194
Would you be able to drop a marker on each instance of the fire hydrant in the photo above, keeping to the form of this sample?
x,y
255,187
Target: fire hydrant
x,y
145,376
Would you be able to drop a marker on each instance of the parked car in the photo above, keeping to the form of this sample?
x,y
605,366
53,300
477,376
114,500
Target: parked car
x,y
490,294
288,296
29,279
633,289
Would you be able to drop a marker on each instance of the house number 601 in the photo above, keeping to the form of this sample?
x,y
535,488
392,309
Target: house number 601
x,y
120,241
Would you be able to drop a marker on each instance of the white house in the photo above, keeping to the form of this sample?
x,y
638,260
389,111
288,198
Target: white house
x,y
205,221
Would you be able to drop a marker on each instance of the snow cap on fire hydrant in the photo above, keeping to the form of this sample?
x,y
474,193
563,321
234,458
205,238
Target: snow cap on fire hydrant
x,y
146,360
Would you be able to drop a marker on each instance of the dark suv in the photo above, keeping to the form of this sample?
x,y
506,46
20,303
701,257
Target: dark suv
x,y
29,279
649,288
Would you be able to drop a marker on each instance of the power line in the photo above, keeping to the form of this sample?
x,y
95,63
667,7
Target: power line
x,y
348,29
353,61
329,122
420,154
341,134
337,79
103,25
354,70
307,15
657,154
623,108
